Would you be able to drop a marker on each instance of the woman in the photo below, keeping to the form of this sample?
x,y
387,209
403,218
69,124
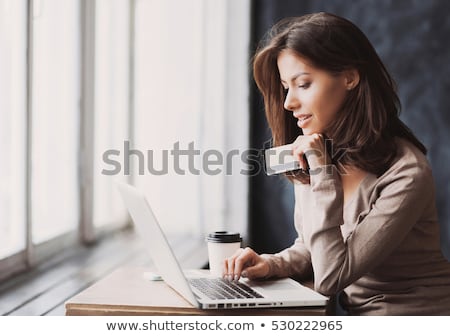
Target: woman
x,y
366,218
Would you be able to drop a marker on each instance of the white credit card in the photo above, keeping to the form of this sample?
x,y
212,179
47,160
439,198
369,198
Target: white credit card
x,y
280,160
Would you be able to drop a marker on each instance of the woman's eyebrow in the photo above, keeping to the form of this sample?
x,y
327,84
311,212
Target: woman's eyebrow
x,y
293,78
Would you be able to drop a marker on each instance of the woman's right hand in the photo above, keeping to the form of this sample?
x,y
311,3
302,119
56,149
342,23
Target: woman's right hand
x,y
246,263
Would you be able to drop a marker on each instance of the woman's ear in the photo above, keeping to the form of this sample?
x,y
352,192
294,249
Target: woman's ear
x,y
351,78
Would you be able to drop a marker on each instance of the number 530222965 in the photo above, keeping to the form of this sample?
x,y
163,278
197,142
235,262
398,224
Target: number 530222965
x,y
307,325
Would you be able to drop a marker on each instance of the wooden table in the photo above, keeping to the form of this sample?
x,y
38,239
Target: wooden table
x,y
127,292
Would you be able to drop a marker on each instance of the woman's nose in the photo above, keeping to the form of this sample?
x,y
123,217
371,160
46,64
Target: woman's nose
x,y
291,102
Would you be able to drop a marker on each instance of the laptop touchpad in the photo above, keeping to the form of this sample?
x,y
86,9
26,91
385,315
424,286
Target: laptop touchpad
x,y
273,285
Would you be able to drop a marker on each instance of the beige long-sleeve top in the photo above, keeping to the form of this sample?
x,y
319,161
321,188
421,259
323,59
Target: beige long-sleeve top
x,y
381,249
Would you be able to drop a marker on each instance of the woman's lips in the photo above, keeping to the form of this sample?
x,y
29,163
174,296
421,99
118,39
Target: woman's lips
x,y
303,120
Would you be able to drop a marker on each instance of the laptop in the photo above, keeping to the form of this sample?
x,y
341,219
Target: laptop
x,y
204,291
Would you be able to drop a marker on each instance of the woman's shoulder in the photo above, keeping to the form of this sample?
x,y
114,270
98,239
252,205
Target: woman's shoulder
x,y
408,154
409,161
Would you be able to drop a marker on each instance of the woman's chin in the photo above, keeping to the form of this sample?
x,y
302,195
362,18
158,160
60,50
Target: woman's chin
x,y
310,131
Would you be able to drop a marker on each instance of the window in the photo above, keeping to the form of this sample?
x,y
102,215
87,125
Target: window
x,y
191,87
55,118
12,125
43,71
168,90
112,122
79,78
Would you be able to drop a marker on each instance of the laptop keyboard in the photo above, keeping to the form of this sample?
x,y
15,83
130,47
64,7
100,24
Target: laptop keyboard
x,y
218,288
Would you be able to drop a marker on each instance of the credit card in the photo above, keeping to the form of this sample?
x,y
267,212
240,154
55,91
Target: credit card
x,y
280,160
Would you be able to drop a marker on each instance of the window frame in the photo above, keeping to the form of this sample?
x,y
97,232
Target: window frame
x,y
85,233
234,201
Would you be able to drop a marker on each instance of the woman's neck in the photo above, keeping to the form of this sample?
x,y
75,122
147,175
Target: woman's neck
x,y
351,178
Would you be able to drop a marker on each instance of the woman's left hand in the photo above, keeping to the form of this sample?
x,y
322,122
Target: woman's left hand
x,y
313,148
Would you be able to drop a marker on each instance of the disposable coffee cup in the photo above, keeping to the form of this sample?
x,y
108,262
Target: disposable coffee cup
x,y
221,245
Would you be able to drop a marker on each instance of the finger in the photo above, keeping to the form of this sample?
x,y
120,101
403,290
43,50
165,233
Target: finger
x,y
230,273
298,155
318,137
226,268
246,258
304,163
316,154
238,252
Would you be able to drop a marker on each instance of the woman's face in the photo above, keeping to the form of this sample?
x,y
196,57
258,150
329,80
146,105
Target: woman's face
x,y
314,96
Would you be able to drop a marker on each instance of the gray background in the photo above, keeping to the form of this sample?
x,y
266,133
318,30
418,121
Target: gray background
x,y
412,39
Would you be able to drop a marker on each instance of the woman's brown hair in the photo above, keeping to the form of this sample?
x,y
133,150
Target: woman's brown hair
x,y
367,122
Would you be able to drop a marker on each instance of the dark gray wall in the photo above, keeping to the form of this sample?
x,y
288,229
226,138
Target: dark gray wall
x,y
412,38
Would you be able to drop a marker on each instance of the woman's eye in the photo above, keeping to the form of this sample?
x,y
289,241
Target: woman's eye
x,y
304,86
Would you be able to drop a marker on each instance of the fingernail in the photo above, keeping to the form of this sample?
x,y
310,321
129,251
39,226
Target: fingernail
x,y
244,274
236,278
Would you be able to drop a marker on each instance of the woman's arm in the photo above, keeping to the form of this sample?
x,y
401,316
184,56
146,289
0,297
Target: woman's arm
x,y
398,207
294,261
